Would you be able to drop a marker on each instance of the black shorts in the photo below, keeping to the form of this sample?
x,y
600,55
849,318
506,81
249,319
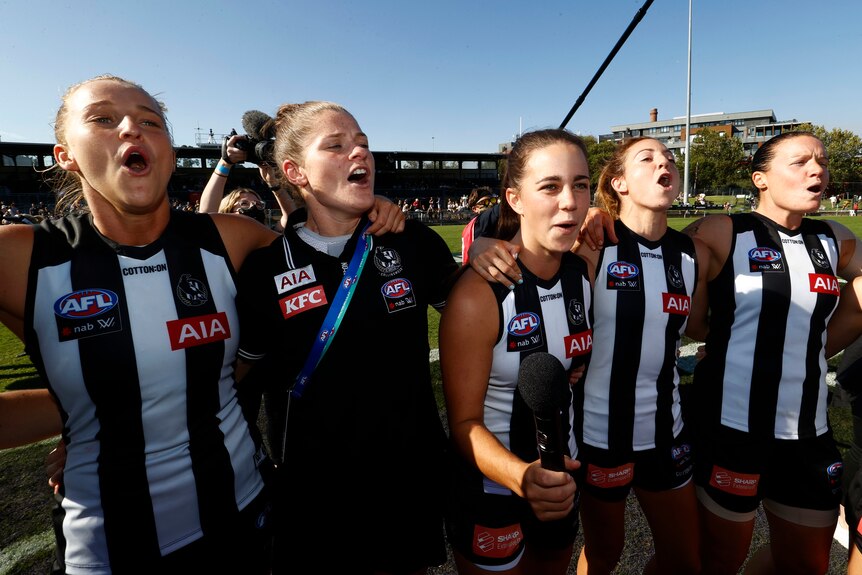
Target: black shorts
x,y
492,530
738,470
609,476
852,485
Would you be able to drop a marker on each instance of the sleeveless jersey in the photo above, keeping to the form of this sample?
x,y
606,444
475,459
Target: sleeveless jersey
x,y
765,367
137,346
538,315
641,302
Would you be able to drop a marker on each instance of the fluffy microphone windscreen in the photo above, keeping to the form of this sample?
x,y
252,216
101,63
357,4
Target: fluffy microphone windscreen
x,y
542,382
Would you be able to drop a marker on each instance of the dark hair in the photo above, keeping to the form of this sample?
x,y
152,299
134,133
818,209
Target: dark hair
x,y
606,196
477,194
516,163
766,151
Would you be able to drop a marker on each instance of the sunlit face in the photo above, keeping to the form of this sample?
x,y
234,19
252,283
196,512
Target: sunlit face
x,y
337,171
553,197
796,177
117,140
650,177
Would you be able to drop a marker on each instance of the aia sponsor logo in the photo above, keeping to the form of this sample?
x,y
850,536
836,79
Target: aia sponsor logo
x,y
676,303
578,344
623,270
292,279
302,301
744,484
85,303
608,477
497,542
823,283
199,330
523,324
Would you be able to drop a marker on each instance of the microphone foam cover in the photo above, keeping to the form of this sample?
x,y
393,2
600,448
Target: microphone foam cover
x,y
542,382
253,122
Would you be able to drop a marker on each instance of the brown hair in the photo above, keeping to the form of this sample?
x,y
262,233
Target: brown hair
x,y
765,153
606,196
68,187
228,203
508,224
294,123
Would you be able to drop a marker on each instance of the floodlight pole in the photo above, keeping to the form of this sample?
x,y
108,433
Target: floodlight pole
x,y
687,115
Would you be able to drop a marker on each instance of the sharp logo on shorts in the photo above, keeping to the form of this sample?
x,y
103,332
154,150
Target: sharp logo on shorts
x,y
86,313
744,484
398,294
608,477
292,279
578,344
833,476
497,542
676,304
302,301
623,276
200,330
765,260
823,283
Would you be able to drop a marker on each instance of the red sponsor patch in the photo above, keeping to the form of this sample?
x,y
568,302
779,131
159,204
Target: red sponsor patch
x,y
302,301
198,330
823,283
744,484
607,477
676,303
579,343
497,542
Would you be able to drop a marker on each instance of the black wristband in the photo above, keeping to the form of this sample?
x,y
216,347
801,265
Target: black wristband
x,y
224,155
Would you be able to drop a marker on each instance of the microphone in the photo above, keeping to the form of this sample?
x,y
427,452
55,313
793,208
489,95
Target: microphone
x,y
544,386
253,122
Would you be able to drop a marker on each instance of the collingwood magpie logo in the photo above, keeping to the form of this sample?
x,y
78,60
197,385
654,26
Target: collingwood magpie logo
x,y
674,277
576,312
192,292
819,258
387,261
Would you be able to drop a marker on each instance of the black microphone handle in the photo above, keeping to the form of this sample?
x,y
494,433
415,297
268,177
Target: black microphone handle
x,y
549,438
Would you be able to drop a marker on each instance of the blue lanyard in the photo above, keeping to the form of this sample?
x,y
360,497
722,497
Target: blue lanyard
x,y
336,312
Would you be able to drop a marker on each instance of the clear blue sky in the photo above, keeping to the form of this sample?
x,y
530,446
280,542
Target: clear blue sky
x,y
436,75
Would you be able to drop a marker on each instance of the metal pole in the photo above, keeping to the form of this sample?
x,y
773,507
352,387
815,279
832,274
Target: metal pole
x,y
687,115
638,16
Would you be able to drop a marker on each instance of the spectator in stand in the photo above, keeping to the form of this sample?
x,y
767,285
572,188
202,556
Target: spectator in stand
x,y
479,200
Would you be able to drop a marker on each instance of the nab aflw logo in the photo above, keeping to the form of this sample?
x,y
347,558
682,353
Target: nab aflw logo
x,y
193,331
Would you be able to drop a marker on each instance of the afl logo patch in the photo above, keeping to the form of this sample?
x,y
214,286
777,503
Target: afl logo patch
x,y
192,292
523,332
398,295
85,303
764,259
819,258
387,261
623,276
87,313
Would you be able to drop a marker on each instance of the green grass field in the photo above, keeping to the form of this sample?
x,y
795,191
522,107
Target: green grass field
x,y
26,538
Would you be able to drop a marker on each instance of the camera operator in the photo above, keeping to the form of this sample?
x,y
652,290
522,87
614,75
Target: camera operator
x,y
256,148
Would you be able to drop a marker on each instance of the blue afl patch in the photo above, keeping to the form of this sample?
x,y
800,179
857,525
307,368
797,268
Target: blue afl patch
x,y
87,313
523,324
765,259
85,303
524,333
623,276
398,294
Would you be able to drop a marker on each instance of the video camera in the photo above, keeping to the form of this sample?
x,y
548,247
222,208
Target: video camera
x,y
257,142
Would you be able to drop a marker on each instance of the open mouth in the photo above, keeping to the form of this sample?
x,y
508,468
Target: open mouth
x,y
358,175
815,189
665,180
136,162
